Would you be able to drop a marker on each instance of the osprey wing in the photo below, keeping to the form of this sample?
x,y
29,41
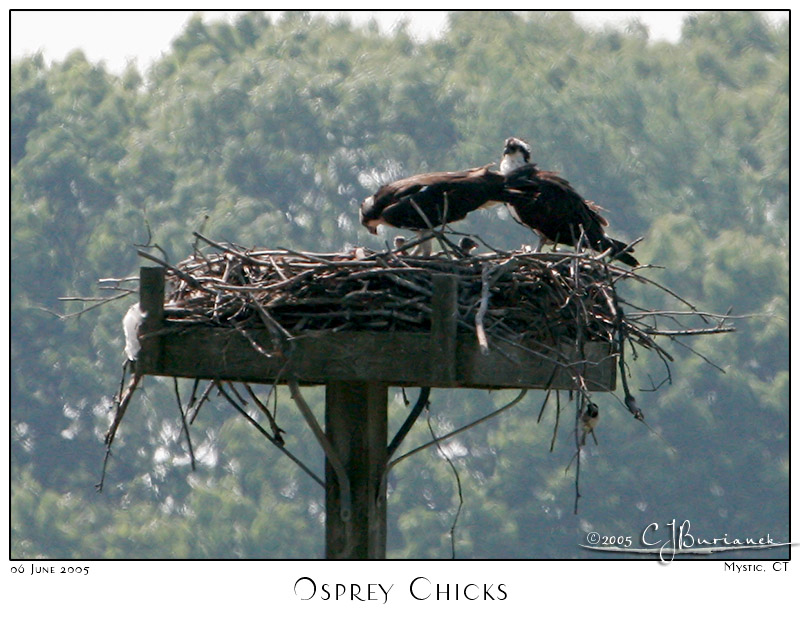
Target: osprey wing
x,y
441,196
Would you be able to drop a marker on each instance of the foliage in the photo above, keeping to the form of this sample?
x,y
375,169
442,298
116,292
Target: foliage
x,y
270,134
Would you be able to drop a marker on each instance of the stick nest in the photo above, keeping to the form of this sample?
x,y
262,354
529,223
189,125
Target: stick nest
x,y
547,297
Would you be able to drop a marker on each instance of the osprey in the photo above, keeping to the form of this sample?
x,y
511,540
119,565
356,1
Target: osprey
x,y
427,200
548,204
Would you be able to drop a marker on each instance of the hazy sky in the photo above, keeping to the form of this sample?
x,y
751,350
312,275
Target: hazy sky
x,y
120,36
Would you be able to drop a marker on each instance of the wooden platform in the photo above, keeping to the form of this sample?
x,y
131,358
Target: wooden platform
x,y
443,358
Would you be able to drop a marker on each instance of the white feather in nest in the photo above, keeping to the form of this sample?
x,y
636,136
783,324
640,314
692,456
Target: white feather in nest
x,y
130,325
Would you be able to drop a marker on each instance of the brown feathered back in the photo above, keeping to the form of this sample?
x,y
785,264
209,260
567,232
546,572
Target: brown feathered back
x,y
442,197
549,205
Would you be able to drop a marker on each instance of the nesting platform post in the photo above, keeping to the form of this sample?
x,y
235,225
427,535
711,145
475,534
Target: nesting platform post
x,y
355,423
356,369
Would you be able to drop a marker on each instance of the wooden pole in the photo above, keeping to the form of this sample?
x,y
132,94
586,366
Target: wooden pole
x,y
356,426
355,423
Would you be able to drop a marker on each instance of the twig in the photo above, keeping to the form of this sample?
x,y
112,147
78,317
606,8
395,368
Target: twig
x,y
94,306
194,408
123,400
700,355
558,416
345,497
183,422
489,416
183,276
422,402
458,487
484,304
276,430
439,236
271,439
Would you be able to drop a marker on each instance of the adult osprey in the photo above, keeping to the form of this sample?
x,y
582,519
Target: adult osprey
x,y
431,199
548,204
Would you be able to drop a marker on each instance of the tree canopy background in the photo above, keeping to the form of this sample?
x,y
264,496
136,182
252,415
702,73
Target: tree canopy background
x,y
270,133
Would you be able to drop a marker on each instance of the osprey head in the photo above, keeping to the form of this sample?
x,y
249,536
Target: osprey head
x,y
516,153
467,244
368,216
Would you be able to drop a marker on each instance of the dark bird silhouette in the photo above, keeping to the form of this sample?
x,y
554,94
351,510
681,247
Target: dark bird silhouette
x,y
431,199
466,245
548,204
589,419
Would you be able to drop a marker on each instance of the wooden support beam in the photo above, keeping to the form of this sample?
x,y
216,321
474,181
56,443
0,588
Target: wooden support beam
x,y
444,314
151,301
355,423
392,358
